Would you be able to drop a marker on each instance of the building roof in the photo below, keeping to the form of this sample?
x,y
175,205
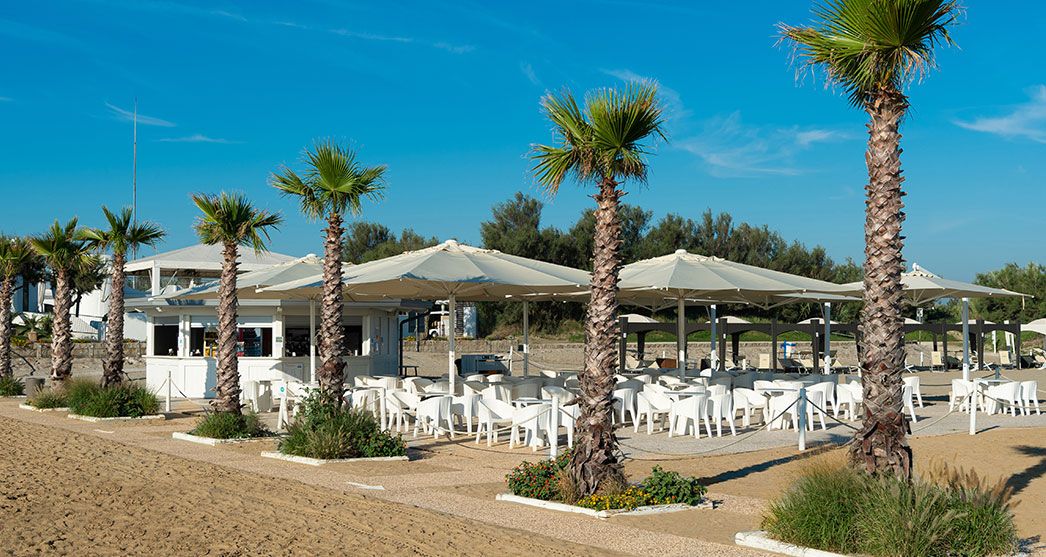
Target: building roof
x,y
204,258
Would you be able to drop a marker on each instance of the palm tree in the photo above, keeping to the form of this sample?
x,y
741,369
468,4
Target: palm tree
x,y
16,255
333,184
64,253
872,49
230,220
122,234
602,144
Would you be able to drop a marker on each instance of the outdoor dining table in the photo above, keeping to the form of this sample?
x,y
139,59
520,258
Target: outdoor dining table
x,y
527,401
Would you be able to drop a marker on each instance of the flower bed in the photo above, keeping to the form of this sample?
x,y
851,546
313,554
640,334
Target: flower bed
x,y
545,484
216,428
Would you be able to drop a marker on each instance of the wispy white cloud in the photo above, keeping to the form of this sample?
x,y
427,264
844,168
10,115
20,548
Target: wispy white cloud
x,y
128,116
290,24
198,138
224,13
732,149
1026,120
370,36
673,101
528,71
455,49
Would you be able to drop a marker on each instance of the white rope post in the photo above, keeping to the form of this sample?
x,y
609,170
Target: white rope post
x,y
801,408
973,410
453,372
526,337
553,429
167,403
965,340
382,407
312,341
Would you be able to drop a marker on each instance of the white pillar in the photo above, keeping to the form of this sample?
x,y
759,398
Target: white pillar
x,y
965,339
312,341
712,311
150,332
154,277
681,336
450,341
827,338
526,337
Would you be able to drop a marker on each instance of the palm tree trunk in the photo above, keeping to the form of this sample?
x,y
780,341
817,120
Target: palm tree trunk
x,y
594,457
61,329
112,367
6,292
882,445
227,389
332,334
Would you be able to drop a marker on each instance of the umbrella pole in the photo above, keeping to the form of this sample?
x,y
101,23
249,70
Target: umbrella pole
x,y
450,343
827,338
526,337
312,341
681,336
965,339
712,321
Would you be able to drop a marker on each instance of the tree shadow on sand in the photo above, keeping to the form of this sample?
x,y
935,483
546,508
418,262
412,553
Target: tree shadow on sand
x,y
1021,480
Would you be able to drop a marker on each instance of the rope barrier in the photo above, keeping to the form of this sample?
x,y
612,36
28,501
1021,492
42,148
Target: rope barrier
x,y
938,420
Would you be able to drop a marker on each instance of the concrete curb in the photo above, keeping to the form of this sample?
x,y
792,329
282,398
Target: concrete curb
x,y
35,409
212,441
563,507
116,419
761,540
321,461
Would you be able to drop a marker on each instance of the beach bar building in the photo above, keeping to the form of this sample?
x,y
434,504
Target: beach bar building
x,y
273,336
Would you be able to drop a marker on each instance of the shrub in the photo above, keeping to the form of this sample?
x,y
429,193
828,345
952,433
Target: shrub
x,y
48,398
123,400
538,480
324,429
9,386
846,510
228,425
632,497
669,487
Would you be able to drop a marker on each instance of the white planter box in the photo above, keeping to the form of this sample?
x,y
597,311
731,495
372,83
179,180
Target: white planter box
x,y
212,441
761,540
35,409
563,507
116,419
320,461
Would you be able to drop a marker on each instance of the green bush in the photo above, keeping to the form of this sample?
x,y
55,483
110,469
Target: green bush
x,y
123,400
665,488
538,480
48,398
228,425
848,511
9,386
323,429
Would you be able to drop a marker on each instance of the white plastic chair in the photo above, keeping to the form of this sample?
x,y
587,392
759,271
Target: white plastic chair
x,y
464,406
498,392
492,413
526,389
416,384
496,378
1030,397
568,415
644,377
687,411
476,377
909,405
914,383
718,390
814,408
848,397
747,401
669,380
397,405
534,421
827,390
1003,396
721,407
432,414
960,395
624,404
782,409
652,405
473,387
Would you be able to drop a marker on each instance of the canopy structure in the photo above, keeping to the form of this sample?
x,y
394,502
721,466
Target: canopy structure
x,y
453,272
248,287
1036,326
683,276
636,318
199,261
921,287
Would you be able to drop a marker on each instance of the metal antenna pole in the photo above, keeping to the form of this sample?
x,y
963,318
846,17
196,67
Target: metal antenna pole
x,y
134,177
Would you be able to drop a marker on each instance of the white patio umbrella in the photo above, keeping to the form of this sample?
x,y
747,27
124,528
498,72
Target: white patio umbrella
x,y
921,287
453,272
248,285
686,276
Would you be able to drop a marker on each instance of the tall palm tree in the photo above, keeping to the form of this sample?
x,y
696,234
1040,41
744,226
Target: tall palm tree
x,y
64,252
231,220
604,143
873,49
16,255
333,184
121,234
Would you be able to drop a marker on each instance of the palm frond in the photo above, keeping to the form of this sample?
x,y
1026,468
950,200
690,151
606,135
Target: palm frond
x,y
334,182
232,218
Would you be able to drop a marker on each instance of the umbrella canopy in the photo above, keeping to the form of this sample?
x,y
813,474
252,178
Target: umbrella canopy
x,y
921,286
636,318
248,285
684,276
1036,326
454,272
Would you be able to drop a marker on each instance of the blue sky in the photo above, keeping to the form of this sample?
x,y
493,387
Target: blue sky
x,y
447,95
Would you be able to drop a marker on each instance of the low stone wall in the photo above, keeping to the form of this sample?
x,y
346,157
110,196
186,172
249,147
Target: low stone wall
x,y
90,350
